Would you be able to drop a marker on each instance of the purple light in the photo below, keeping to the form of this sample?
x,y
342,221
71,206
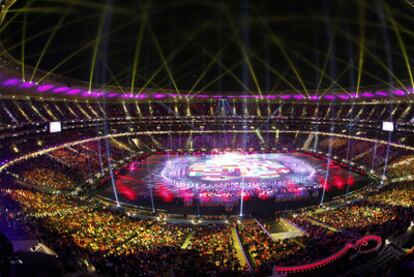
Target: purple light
x,y
381,93
298,97
60,89
159,95
86,94
314,97
217,96
284,97
94,94
44,88
73,91
97,94
111,95
398,92
353,95
343,96
141,96
202,96
11,82
367,94
27,84
100,93
329,97
270,96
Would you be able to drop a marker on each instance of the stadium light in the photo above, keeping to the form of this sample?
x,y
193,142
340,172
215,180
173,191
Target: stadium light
x,y
388,126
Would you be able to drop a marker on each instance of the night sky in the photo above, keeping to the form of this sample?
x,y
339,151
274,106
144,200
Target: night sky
x,y
245,46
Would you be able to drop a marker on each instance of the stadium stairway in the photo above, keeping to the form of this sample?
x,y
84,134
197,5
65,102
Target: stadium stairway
x,y
308,141
187,241
241,255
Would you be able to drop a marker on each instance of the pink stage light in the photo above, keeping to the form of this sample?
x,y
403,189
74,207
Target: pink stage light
x,y
398,92
73,91
60,89
27,84
11,82
381,93
44,88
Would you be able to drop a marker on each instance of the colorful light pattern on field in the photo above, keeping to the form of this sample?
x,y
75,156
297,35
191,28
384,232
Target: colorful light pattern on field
x,y
222,179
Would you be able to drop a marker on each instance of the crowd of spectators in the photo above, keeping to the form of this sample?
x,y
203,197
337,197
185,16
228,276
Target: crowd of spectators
x,y
358,215
334,143
76,160
403,166
45,177
387,214
264,252
115,243
216,244
403,197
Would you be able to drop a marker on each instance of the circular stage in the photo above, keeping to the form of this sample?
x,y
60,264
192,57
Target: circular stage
x,y
223,178
217,183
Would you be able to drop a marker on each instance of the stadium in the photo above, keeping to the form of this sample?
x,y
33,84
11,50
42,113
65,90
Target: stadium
x,y
211,138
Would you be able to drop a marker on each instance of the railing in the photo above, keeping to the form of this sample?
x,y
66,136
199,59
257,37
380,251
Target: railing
x,y
356,248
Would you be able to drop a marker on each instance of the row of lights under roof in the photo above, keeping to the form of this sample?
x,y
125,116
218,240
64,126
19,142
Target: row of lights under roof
x,y
43,88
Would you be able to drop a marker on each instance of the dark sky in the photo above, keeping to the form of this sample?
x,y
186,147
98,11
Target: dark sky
x,y
219,45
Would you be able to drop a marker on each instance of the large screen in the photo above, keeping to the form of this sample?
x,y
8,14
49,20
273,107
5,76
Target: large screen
x,y
55,127
388,126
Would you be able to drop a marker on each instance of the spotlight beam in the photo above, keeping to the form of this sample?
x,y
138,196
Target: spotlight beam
x,y
51,37
333,81
226,69
100,6
164,60
81,49
340,75
375,58
96,47
410,3
207,68
295,70
124,75
41,10
396,29
23,44
245,55
279,43
171,56
361,45
277,73
325,65
113,76
341,61
186,73
137,51
47,31
277,83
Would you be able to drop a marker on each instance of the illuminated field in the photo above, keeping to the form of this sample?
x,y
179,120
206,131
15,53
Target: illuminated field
x,y
221,179
224,177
